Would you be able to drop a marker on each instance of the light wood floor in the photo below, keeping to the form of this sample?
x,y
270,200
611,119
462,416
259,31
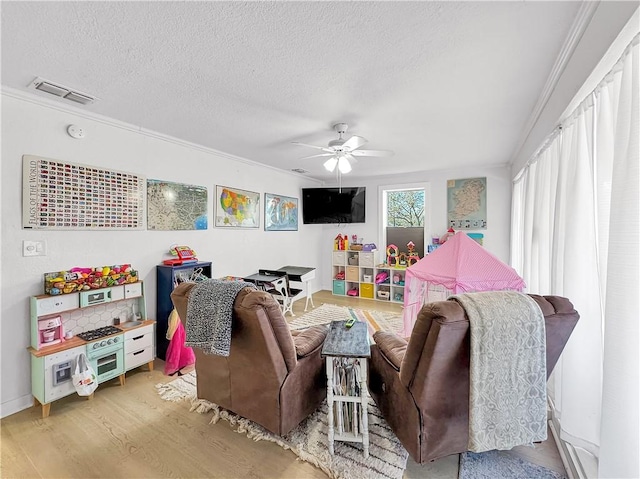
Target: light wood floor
x,y
129,432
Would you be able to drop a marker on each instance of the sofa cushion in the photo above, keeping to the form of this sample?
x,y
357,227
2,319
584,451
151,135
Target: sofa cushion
x,y
392,347
307,340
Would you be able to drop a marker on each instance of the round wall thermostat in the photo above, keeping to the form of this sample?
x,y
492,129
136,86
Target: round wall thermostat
x,y
75,132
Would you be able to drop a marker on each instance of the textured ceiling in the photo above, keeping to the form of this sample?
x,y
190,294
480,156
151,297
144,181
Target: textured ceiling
x,y
442,84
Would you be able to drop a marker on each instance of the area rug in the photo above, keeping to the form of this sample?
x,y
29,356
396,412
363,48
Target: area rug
x,y
387,458
325,313
500,465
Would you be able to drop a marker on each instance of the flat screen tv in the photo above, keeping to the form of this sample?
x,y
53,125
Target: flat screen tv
x,y
333,205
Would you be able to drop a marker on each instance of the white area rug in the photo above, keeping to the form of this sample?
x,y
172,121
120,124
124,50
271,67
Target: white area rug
x,y
387,457
324,314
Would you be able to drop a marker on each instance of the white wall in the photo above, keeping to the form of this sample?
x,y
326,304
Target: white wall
x,y
496,236
37,128
33,126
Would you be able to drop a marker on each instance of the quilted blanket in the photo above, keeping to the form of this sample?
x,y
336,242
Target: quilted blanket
x,y
209,314
508,374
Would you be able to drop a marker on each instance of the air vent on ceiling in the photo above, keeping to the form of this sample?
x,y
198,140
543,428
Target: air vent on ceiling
x,y
61,91
299,170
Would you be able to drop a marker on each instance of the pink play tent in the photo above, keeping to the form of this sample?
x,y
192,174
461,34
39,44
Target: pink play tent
x,y
460,265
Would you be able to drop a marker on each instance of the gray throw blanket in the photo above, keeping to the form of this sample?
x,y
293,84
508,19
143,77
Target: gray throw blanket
x,y
209,313
508,370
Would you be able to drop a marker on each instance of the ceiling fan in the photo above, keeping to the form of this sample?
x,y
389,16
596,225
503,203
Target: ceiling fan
x,y
341,152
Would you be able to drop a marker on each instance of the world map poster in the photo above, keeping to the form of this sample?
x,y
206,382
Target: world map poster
x,y
467,204
176,206
280,213
237,208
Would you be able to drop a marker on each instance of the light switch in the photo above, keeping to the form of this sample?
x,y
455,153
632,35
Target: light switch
x,y
34,248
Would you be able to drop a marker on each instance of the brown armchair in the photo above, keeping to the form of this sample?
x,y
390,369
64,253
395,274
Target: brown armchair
x,y
422,386
272,376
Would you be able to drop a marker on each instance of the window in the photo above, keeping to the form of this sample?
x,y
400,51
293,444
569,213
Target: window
x,y
404,219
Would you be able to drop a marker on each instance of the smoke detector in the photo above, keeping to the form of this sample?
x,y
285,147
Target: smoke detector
x,y
61,91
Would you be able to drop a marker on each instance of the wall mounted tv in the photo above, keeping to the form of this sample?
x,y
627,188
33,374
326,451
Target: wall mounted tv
x,y
333,205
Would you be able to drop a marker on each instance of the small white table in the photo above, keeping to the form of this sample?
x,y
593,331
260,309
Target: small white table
x,y
346,351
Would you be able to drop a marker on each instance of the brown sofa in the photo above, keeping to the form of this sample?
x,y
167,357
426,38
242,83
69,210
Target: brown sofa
x,y
422,386
271,376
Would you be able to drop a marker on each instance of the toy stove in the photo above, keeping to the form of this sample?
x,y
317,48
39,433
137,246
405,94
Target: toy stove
x,y
99,333
106,356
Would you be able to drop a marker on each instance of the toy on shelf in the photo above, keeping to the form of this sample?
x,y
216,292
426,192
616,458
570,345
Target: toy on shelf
x,y
369,247
450,232
84,279
353,292
340,275
382,277
355,244
183,255
341,243
412,257
392,255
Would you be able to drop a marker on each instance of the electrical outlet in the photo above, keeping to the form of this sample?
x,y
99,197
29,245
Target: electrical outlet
x,y
34,248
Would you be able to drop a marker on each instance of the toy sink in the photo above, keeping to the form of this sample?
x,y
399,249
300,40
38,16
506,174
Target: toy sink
x,y
130,324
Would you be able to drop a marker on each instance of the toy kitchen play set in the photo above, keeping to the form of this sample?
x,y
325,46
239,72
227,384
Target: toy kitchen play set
x,y
96,311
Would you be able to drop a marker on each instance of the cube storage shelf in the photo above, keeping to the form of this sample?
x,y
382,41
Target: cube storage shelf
x,y
354,274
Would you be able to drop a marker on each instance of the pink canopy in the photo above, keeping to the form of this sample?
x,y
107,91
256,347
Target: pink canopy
x,y
460,265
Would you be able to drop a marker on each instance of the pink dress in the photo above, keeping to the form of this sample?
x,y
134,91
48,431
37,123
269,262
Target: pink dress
x,y
178,355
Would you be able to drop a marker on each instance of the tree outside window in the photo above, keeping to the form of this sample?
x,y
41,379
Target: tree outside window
x,y
405,208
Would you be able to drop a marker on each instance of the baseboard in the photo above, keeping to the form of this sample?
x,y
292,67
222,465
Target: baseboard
x,y
16,405
569,455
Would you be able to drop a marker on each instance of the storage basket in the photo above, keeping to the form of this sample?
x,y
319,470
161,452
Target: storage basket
x,y
356,247
383,294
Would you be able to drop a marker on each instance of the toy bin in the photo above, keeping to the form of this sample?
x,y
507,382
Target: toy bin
x,y
384,295
367,278
338,287
353,273
366,291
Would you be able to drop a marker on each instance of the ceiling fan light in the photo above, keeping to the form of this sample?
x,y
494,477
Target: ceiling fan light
x,y
330,164
344,166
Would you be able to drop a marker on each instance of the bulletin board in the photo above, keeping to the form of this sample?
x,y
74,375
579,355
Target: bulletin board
x,y
67,196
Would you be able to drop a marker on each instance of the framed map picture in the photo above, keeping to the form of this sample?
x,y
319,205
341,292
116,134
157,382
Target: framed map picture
x,y
237,208
280,213
176,206
467,204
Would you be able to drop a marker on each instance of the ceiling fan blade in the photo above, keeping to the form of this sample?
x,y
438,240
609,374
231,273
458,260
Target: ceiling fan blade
x,y
323,148
354,142
372,153
317,156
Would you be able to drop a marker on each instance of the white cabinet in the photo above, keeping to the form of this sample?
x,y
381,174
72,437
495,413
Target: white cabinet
x,y
56,304
358,273
133,290
139,346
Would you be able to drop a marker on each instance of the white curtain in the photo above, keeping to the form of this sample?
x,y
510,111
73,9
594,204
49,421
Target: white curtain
x,y
575,233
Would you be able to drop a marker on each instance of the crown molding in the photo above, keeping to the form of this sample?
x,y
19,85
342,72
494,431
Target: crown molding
x,y
580,24
54,105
